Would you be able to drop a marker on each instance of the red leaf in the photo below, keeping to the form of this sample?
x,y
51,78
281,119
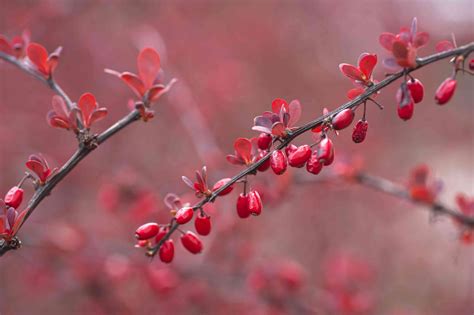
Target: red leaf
x,y
134,82
277,104
351,72
36,167
353,93
59,107
56,121
148,66
444,46
18,221
39,57
294,109
421,39
243,148
400,50
87,105
278,129
367,64
98,114
386,40
5,45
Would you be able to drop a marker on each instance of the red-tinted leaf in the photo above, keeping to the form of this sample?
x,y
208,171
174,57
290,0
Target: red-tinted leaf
x,y
59,106
386,40
391,64
5,45
367,64
400,50
148,66
38,56
353,93
278,129
234,159
53,60
351,72
421,39
188,182
444,45
134,83
98,114
35,167
87,104
243,148
156,91
18,221
294,109
56,121
277,104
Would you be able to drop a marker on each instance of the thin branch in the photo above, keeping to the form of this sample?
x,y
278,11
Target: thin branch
x,y
421,62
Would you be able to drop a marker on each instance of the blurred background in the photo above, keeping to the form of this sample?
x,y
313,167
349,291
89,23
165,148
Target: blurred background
x,y
232,58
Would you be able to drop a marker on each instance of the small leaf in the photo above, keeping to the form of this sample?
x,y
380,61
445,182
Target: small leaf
x,y
243,148
38,56
386,40
36,167
353,93
444,45
391,64
148,66
278,129
367,64
188,182
234,159
87,104
421,39
5,45
400,50
277,104
57,121
98,114
134,83
414,27
351,72
294,109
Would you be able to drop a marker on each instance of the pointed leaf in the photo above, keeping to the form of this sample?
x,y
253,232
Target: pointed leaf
x,y
148,66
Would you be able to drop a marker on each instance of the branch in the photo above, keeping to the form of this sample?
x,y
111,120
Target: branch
x,y
421,62
391,188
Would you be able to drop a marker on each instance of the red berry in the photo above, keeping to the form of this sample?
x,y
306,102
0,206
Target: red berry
x,y
406,105
325,151
191,242
243,206
221,183
184,215
14,197
203,224
299,157
161,233
343,119
265,165
254,202
264,141
416,90
471,64
314,166
278,162
167,251
445,91
290,149
360,131
147,231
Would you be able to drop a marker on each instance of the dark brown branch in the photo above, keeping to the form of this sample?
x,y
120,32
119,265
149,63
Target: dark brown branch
x,y
422,62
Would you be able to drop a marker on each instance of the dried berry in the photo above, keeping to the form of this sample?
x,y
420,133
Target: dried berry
x,y
360,131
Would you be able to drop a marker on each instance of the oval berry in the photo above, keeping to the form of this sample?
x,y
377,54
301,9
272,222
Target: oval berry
x,y
221,183
264,141
343,119
166,252
314,166
416,90
14,197
184,215
445,91
325,151
254,202
360,131
202,224
243,206
471,64
299,157
147,231
161,233
191,242
265,165
406,105
278,162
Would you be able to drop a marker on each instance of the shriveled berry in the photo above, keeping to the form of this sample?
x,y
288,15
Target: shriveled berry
x,y
147,231
265,165
166,252
471,64
184,215
278,162
299,157
314,166
325,151
416,90
290,149
221,183
343,119
191,242
202,223
445,91
243,206
255,202
14,197
264,141
406,105
360,131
